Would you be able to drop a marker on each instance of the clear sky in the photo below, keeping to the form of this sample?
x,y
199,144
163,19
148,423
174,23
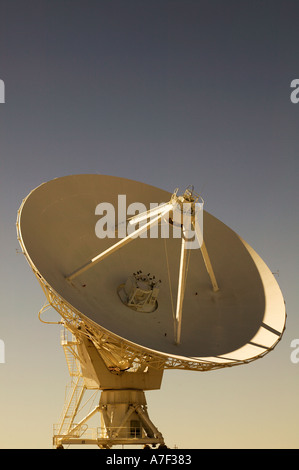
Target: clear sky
x,y
170,93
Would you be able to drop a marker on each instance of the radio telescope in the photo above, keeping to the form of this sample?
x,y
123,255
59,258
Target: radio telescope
x,y
170,287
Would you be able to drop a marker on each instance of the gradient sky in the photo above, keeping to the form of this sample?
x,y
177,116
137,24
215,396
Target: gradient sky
x,y
171,93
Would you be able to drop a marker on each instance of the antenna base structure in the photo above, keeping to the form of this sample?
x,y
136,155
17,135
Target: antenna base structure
x,y
122,407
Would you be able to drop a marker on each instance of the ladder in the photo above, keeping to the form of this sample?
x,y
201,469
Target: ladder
x,y
77,387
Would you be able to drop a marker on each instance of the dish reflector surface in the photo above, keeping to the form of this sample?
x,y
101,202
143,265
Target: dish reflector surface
x,y
245,318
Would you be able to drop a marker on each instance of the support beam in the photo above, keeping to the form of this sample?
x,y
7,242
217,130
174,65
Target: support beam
x,y
181,290
150,213
209,267
76,428
151,430
199,235
118,245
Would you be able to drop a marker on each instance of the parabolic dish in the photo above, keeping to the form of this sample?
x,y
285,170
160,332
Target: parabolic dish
x,y
242,320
